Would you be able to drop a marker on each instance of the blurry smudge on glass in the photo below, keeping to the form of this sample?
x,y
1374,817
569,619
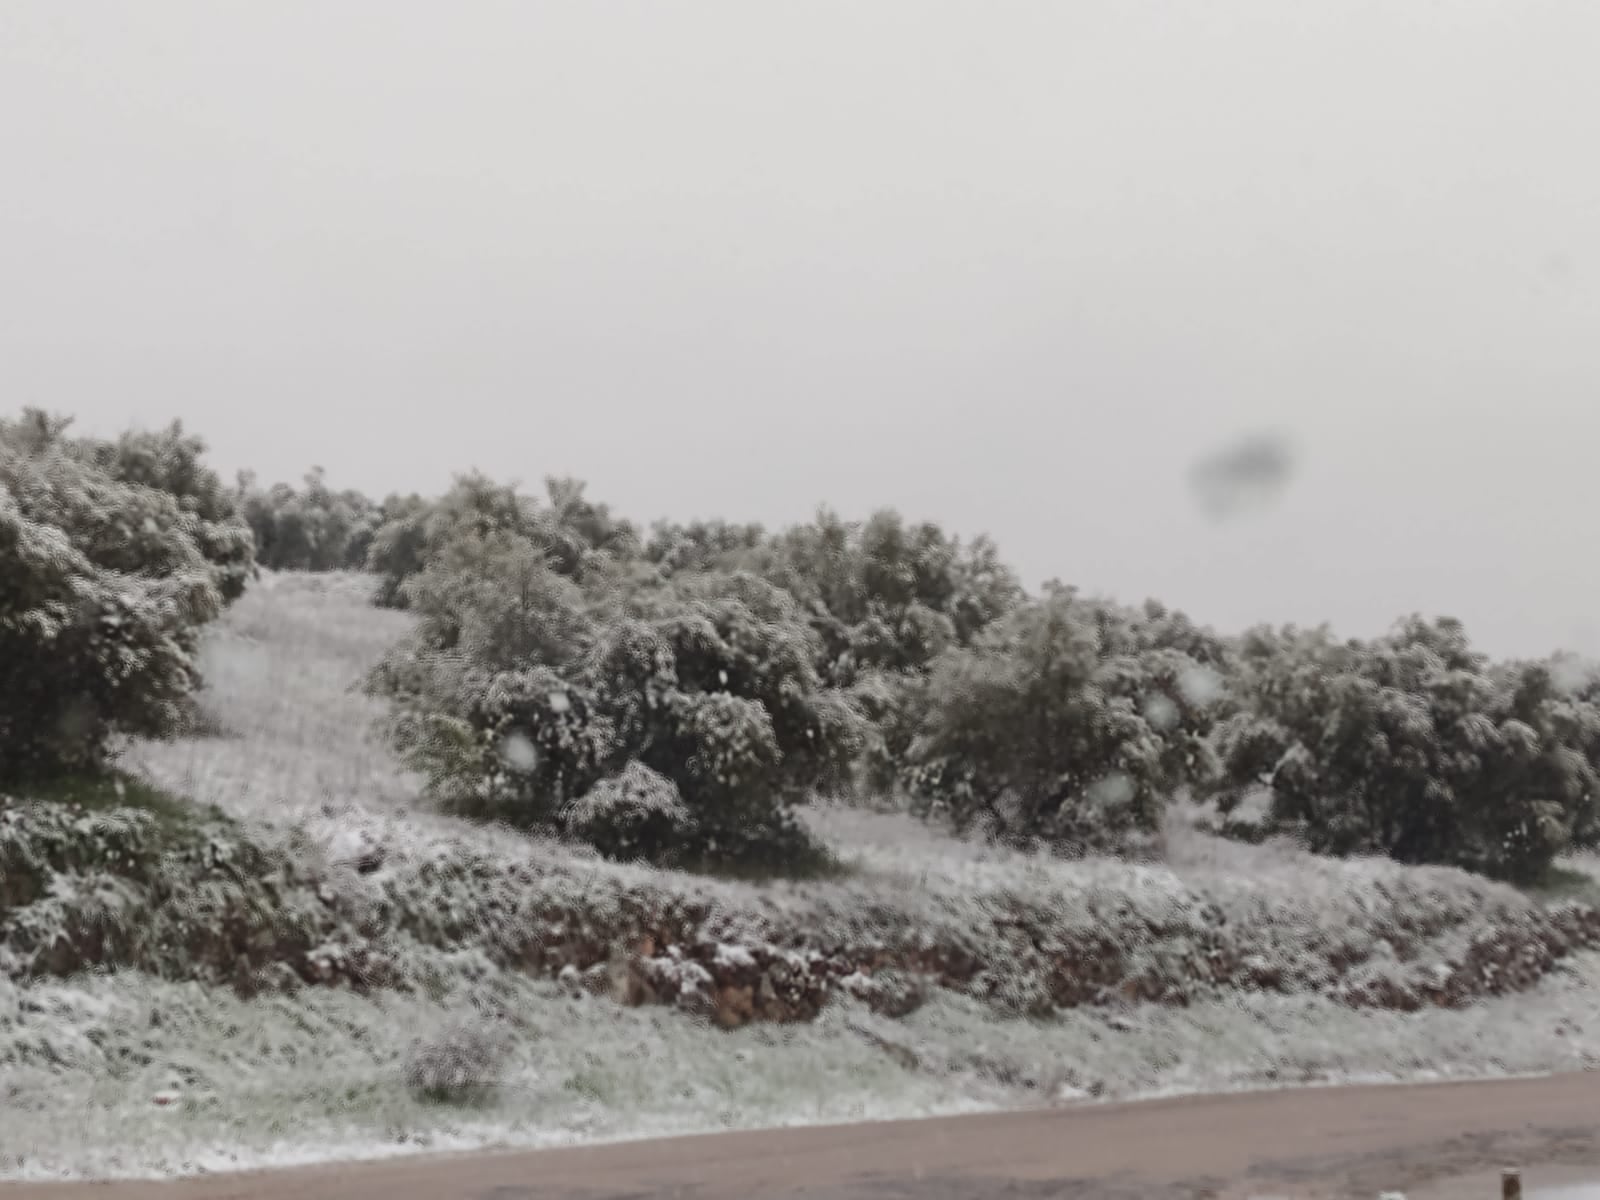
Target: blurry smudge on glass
x,y
1246,476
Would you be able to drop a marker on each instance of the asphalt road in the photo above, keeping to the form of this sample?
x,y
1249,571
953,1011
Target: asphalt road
x,y
1327,1142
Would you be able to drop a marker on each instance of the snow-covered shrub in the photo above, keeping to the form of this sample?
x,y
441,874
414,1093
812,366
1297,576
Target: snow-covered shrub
x,y
520,692
542,741
102,593
493,602
711,683
488,704
399,547
885,599
117,875
636,814
703,545
1066,723
128,528
461,1064
169,461
312,528
1417,747
574,537
738,635
888,595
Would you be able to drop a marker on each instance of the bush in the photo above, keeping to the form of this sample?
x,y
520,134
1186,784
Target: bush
x,y
168,462
1056,726
894,705
637,814
884,600
577,539
711,684
493,603
462,1064
704,546
488,707
724,747
740,635
399,547
582,539
544,741
736,673
886,596
679,724
791,624
315,529
102,595
1415,747
130,528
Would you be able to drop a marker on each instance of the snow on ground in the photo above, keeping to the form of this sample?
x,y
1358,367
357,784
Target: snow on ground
x,y
283,676
125,1075
281,1080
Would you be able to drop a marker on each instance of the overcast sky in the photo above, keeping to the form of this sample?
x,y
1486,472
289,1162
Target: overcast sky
x,y
1014,267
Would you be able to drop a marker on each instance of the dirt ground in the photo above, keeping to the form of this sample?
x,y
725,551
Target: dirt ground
x,y
1328,1142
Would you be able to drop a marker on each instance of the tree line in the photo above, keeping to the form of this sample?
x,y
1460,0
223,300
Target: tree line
x,y
675,693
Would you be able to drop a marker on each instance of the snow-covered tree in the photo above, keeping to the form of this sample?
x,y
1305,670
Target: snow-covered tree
x,y
1069,722
1415,746
103,590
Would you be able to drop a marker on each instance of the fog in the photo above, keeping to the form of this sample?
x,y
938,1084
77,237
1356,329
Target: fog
x,y
1015,267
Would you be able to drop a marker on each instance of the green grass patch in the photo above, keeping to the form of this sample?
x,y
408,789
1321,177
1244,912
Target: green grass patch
x,y
101,792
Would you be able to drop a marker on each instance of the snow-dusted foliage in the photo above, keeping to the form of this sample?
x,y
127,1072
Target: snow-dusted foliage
x,y
165,890
636,814
577,538
703,545
170,461
1416,746
883,597
312,528
541,666
1069,722
399,547
103,589
733,688
520,692
886,658
886,595
825,632
410,892
717,698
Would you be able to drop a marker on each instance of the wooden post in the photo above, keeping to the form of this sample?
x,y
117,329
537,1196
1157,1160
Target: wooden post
x,y
1511,1184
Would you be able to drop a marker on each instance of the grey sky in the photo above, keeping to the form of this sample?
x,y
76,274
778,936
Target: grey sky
x,y
1011,266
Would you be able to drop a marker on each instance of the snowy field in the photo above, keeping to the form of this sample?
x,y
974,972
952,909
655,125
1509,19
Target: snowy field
x,y
124,1075
89,1064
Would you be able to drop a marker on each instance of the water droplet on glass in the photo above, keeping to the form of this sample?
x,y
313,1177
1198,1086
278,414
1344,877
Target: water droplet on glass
x,y
1161,713
1112,790
518,752
1200,686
